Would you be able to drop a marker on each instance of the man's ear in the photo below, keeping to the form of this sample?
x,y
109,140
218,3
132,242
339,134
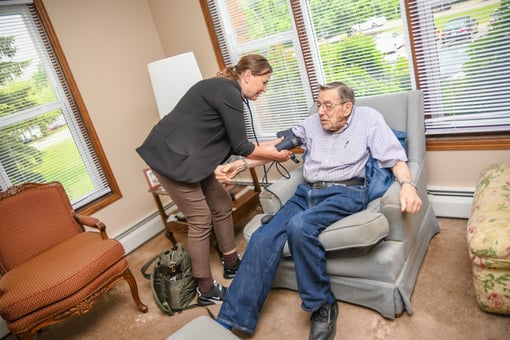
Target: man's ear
x,y
349,107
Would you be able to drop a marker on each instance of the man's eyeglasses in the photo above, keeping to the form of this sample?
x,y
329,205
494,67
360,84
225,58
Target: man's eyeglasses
x,y
327,106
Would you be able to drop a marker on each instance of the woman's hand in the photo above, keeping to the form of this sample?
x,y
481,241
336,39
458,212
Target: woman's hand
x,y
266,152
280,156
283,156
225,172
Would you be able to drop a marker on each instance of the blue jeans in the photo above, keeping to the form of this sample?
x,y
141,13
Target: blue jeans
x,y
299,221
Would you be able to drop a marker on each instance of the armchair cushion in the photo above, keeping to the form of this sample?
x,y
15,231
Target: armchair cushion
x,y
354,234
356,231
40,281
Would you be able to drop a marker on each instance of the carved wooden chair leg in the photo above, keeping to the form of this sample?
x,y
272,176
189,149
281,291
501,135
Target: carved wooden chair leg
x,y
128,276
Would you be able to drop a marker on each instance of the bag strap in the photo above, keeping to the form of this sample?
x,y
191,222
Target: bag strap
x,y
166,307
171,311
151,261
146,266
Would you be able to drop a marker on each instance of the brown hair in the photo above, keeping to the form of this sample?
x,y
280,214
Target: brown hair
x,y
257,64
345,93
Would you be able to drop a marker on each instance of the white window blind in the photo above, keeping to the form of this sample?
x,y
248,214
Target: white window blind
x,y
367,44
266,28
362,43
462,50
42,135
312,42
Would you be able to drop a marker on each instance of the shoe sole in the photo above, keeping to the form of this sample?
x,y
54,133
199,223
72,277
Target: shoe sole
x,y
208,302
229,276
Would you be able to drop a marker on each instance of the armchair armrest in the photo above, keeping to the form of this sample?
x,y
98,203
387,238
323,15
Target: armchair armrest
x,y
273,197
92,222
402,225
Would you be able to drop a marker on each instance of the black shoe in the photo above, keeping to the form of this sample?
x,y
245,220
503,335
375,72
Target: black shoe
x,y
324,322
215,296
229,272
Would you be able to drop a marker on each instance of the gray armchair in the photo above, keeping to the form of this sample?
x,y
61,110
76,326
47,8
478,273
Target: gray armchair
x,y
373,256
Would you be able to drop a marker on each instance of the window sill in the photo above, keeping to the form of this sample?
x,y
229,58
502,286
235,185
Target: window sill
x,y
493,142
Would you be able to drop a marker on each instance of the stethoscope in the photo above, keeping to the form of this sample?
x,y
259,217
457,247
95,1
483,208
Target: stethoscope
x,y
280,168
247,102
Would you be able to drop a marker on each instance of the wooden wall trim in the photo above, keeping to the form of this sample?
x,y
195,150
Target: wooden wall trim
x,y
115,193
468,143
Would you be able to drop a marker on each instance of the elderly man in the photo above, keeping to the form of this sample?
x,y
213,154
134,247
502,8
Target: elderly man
x,y
338,141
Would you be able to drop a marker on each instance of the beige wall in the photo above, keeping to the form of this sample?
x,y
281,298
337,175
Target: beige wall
x,y
108,44
181,28
461,168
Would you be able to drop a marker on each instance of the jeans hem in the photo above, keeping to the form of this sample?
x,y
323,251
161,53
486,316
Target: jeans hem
x,y
328,300
233,325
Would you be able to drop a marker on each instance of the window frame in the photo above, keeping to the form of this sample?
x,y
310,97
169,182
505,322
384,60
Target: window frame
x,y
479,141
114,193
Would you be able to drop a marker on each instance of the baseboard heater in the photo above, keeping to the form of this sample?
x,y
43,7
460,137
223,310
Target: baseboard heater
x,y
452,202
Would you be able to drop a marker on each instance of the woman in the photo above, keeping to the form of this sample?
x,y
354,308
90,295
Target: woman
x,y
184,148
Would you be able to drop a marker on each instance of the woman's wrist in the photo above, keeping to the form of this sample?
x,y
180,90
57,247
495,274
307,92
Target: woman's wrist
x,y
241,165
245,164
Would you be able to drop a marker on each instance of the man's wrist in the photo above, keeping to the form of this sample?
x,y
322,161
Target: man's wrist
x,y
406,181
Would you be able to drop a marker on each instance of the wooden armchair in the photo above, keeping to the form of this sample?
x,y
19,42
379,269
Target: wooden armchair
x,y
52,268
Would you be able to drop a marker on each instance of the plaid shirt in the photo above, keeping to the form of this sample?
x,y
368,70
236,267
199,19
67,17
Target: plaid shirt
x,y
342,155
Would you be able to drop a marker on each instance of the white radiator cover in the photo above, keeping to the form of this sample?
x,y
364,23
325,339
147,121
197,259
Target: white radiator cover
x,y
454,202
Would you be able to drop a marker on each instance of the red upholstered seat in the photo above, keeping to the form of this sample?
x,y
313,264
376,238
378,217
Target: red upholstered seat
x,y
51,267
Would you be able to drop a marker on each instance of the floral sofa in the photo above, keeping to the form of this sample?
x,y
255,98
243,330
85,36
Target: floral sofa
x,y
488,237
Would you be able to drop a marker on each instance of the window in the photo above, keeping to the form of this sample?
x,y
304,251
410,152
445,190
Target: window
x,y
362,43
44,134
369,45
266,28
463,59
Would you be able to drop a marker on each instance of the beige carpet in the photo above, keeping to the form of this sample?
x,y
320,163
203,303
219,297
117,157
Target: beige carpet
x,y
443,301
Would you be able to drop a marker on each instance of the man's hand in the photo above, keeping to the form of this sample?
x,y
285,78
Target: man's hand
x,y
409,200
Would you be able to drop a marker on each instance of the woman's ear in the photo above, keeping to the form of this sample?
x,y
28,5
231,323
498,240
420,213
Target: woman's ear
x,y
246,76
